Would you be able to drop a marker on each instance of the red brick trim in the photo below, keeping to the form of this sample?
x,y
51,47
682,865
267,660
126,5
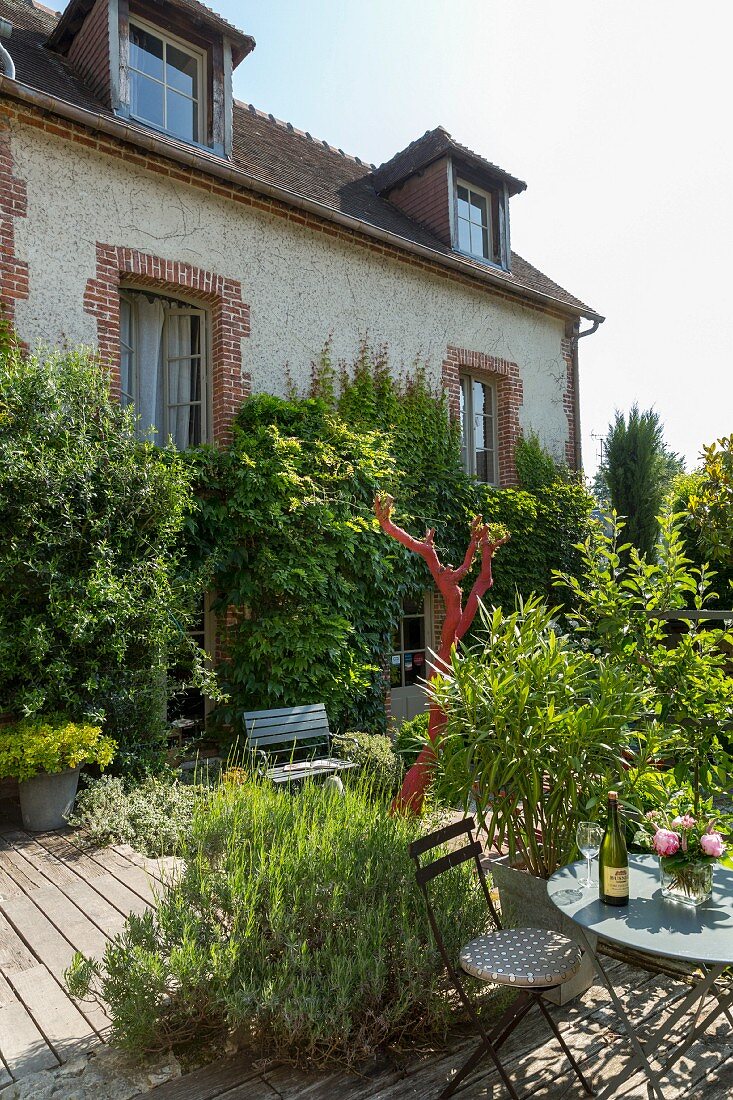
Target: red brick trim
x,y
569,402
510,393
13,204
223,297
161,166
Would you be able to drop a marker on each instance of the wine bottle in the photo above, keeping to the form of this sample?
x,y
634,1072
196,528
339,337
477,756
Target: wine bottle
x,y
613,860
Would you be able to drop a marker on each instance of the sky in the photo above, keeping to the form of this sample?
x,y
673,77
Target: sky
x,y
618,117
617,114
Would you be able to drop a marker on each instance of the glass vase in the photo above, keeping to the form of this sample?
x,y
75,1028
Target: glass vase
x,y
689,883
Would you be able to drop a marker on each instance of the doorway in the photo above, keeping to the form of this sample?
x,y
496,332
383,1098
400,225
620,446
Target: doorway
x,y
408,668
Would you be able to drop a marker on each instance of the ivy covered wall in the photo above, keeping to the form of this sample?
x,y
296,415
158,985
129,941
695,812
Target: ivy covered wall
x,y
310,587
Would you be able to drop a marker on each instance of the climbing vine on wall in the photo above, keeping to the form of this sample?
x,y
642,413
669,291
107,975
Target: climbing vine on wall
x,y
286,522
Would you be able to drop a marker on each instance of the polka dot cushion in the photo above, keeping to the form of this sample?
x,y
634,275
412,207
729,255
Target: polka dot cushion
x,y
522,957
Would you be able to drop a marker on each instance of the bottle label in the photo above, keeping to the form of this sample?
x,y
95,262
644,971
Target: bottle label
x,y
616,882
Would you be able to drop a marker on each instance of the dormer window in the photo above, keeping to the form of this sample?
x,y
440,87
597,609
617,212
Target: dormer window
x,y
167,79
478,215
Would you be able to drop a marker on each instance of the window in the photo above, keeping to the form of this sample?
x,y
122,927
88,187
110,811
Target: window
x,y
481,223
166,83
407,664
163,367
478,428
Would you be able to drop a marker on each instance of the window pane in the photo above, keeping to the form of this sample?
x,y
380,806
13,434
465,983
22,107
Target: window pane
x,y
481,398
127,383
184,379
395,671
478,209
479,242
181,71
182,116
464,235
463,203
146,52
415,633
479,436
485,467
414,668
146,99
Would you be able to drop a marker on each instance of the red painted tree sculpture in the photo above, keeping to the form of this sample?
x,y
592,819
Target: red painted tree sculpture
x,y
485,541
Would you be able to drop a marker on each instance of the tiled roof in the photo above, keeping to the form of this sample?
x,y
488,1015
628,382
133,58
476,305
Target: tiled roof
x,y
431,146
76,11
275,154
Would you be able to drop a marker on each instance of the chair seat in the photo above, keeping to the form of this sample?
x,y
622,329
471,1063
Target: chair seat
x,y
522,957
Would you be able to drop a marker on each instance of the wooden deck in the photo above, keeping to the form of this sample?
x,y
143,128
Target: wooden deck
x,y
536,1065
56,898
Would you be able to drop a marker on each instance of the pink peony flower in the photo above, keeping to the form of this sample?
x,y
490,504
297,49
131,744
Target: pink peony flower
x,y
686,822
712,844
665,842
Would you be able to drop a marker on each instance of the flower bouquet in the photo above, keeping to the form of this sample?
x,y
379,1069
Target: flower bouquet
x,y
688,849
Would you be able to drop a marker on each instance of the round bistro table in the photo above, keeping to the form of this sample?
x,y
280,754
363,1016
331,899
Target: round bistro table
x,y
701,935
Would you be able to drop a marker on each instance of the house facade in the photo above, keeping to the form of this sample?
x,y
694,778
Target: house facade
x,y
208,249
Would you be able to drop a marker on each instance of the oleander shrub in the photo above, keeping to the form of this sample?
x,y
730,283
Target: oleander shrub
x,y
153,815
297,923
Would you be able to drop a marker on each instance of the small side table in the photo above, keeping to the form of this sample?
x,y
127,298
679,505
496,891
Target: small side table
x,y
701,935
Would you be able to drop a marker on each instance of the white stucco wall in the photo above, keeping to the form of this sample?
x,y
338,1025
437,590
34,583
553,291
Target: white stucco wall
x,y
301,286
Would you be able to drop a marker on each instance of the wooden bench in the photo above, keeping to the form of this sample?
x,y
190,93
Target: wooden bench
x,y
292,743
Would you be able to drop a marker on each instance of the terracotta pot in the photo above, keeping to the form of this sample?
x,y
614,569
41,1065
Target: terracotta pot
x,y
47,800
525,904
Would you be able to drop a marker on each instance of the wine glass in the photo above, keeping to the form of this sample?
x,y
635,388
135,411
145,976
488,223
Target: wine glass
x,y
589,836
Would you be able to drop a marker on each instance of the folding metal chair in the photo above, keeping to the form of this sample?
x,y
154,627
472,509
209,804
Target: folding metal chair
x,y
530,960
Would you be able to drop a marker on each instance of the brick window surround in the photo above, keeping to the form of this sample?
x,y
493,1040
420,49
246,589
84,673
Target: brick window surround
x,y
13,204
509,390
221,296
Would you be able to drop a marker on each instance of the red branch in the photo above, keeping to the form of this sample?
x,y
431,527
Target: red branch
x,y
457,621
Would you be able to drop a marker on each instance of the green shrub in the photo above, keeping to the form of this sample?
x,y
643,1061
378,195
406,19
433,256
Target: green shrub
x,y
92,583
411,737
51,744
536,468
376,760
537,732
296,921
286,523
153,816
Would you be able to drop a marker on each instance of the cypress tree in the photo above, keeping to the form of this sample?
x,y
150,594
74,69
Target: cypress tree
x,y
637,470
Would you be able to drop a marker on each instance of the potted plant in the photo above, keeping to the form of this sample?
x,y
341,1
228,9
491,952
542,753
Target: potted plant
x,y
537,733
45,755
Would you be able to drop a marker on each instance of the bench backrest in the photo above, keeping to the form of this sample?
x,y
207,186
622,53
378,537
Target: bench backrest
x,y
283,731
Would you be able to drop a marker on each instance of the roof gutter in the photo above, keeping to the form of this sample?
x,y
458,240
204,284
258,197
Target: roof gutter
x,y
123,130
577,335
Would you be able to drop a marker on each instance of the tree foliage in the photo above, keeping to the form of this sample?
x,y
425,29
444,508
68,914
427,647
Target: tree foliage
x,y
90,583
686,685
286,522
710,501
637,470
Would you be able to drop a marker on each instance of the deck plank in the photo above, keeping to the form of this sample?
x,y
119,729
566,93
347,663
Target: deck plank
x,y
64,1028
24,1050
210,1082
137,880
49,947
122,897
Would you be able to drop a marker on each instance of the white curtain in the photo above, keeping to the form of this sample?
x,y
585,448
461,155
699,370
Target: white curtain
x,y
179,378
149,356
